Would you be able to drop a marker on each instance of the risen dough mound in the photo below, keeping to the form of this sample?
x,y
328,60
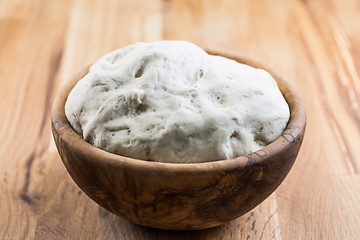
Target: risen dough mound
x,y
170,101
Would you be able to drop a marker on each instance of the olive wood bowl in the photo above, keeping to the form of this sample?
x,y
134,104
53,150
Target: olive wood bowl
x,y
180,196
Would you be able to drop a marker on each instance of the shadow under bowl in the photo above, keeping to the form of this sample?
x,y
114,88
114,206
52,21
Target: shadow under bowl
x,y
180,196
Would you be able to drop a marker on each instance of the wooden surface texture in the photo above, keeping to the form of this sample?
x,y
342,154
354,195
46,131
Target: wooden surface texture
x,y
314,44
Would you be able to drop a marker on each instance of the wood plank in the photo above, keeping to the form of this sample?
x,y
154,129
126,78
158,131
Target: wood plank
x,y
28,71
97,27
338,129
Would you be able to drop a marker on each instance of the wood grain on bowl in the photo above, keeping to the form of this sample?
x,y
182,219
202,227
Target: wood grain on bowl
x,y
180,196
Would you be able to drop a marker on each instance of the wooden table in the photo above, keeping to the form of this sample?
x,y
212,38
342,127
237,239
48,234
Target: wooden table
x,y
314,44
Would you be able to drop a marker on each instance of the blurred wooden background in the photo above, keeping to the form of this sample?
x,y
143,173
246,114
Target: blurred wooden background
x,y
315,44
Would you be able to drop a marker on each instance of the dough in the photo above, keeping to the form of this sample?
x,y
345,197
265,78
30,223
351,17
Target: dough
x,y
169,101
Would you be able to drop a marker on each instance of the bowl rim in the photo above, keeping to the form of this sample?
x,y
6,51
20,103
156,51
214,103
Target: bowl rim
x,y
294,130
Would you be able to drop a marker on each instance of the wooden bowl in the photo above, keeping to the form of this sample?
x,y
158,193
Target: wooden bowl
x,y
180,196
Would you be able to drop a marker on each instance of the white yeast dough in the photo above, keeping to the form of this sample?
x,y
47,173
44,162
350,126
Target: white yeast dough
x,y
170,101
